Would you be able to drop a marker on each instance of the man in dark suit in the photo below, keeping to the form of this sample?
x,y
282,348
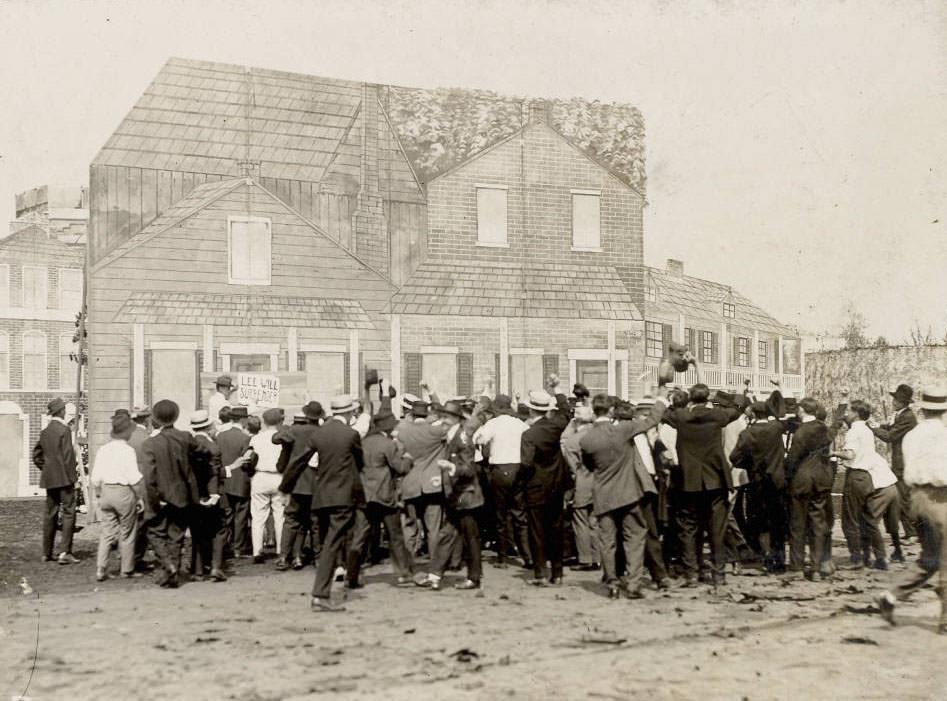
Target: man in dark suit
x,y
141,415
618,493
893,433
705,478
55,457
171,488
761,452
809,475
336,489
298,514
234,442
208,534
544,478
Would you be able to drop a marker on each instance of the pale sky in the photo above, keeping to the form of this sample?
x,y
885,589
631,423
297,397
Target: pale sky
x,y
796,150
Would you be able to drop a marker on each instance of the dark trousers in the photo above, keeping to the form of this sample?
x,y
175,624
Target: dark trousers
x,y
512,531
879,504
237,520
464,524
208,537
653,551
908,522
626,526
334,523
855,493
366,521
59,500
698,511
166,536
807,520
297,522
545,524
892,517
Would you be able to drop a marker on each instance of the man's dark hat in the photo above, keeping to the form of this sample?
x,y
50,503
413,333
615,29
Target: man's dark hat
x,y
451,408
501,404
725,399
124,411
384,420
760,408
313,410
903,393
580,390
225,381
165,412
419,409
122,425
55,405
238,412
371,378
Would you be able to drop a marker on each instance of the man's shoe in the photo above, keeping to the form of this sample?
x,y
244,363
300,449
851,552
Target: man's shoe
x,y
258,559
101,575
404,581
501,564
886,602
555,581
298,563
634,594
49,558
898,556
317,605
689,583
354,585
880,565
527,565
664,584
217,576
584,567
467,584
171,582
282,565
539,582
132,575
614,593
942,629
67,559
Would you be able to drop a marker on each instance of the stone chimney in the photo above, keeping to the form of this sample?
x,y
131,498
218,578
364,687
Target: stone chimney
x,y
538,111
675,267
371,239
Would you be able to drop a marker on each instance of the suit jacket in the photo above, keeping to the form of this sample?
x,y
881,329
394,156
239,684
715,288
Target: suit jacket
x,y
425,443
700,446
293,440
543,473
208,470
463,488
383,466
609,453
894,433
55,457
168,473
807,462
760,451
336,481
572,454
233,443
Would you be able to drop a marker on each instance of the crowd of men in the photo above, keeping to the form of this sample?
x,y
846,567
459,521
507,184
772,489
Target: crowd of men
x,y
635,489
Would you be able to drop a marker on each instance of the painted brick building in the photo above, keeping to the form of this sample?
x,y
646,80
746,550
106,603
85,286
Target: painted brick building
x,y
41,278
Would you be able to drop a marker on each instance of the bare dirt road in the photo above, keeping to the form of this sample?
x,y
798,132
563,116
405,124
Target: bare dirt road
x,y
253,637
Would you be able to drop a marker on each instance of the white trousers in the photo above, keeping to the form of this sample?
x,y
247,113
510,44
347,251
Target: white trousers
x,y
264,498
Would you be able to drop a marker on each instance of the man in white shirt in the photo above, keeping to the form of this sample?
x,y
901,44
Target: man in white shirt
x,y
499,440
118,490
220,398
874,489
265,496
925,472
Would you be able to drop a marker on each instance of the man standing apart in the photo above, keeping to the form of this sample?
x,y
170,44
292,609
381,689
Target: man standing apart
x,y
335,491
55,457
224,387
893,433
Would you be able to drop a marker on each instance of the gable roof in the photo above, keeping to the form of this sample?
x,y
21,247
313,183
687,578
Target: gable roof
x,y
515,289
702,299
33,241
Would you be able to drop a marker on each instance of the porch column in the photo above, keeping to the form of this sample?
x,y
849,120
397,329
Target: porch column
x,y
395,377
353,363
138,365
611,358
503,382
207,362
680,332
779,357
292,345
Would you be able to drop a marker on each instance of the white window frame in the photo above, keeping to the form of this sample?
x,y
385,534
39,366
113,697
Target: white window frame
x,y
732,313
42,386
65,362
506,218
44,276
269,252
5,286
597,248
5,350
62,272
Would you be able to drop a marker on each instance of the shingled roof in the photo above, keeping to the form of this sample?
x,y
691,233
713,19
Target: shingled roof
x,y
515,289
702,299
242,310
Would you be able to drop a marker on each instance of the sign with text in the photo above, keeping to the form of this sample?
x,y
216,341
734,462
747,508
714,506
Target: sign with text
x,y
256,389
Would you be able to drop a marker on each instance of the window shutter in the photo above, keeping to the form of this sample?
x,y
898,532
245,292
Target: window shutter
x,y
362,371
412,373
735,344
301,361
714,347
496,376
689,341
346,372
465,374
550,365
667,335
131,377
218,362
148,398
198,366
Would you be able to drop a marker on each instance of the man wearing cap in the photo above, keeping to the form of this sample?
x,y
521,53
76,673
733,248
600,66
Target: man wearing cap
x,y
234,444
208,534
298,513
499,438
224,387
924,450
584,523
544,478
170,487
336,489
265,495
55,457
893,433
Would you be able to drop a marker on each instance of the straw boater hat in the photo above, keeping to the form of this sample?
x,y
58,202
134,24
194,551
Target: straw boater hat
x,y
934,398
342,404
408,400
540,400
200,419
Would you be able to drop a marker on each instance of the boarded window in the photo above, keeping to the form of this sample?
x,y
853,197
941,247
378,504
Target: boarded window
x,y
586,220
465,374
526,373
70,289
412,373
325,376
491,216
440,373
250,251
593,374
4,360
174,376
34,287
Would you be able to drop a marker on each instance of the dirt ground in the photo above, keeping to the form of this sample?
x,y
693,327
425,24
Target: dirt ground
x,y
253,637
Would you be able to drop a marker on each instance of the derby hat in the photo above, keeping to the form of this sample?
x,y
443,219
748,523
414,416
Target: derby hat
x,y
342,404
299,418
384,420
903,393
239,412
122,426
934,398
200,419
501,404
419,409
451,408
56,404
166,412
313,410
540,400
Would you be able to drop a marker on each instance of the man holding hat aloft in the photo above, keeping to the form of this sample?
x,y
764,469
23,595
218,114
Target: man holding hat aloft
x,y
893,432
265,495
55,457
118,491
336,489
208,534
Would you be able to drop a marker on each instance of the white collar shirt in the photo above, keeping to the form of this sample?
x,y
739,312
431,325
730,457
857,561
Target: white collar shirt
x,y
116,463
501,435
925,454
861,441
268,453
